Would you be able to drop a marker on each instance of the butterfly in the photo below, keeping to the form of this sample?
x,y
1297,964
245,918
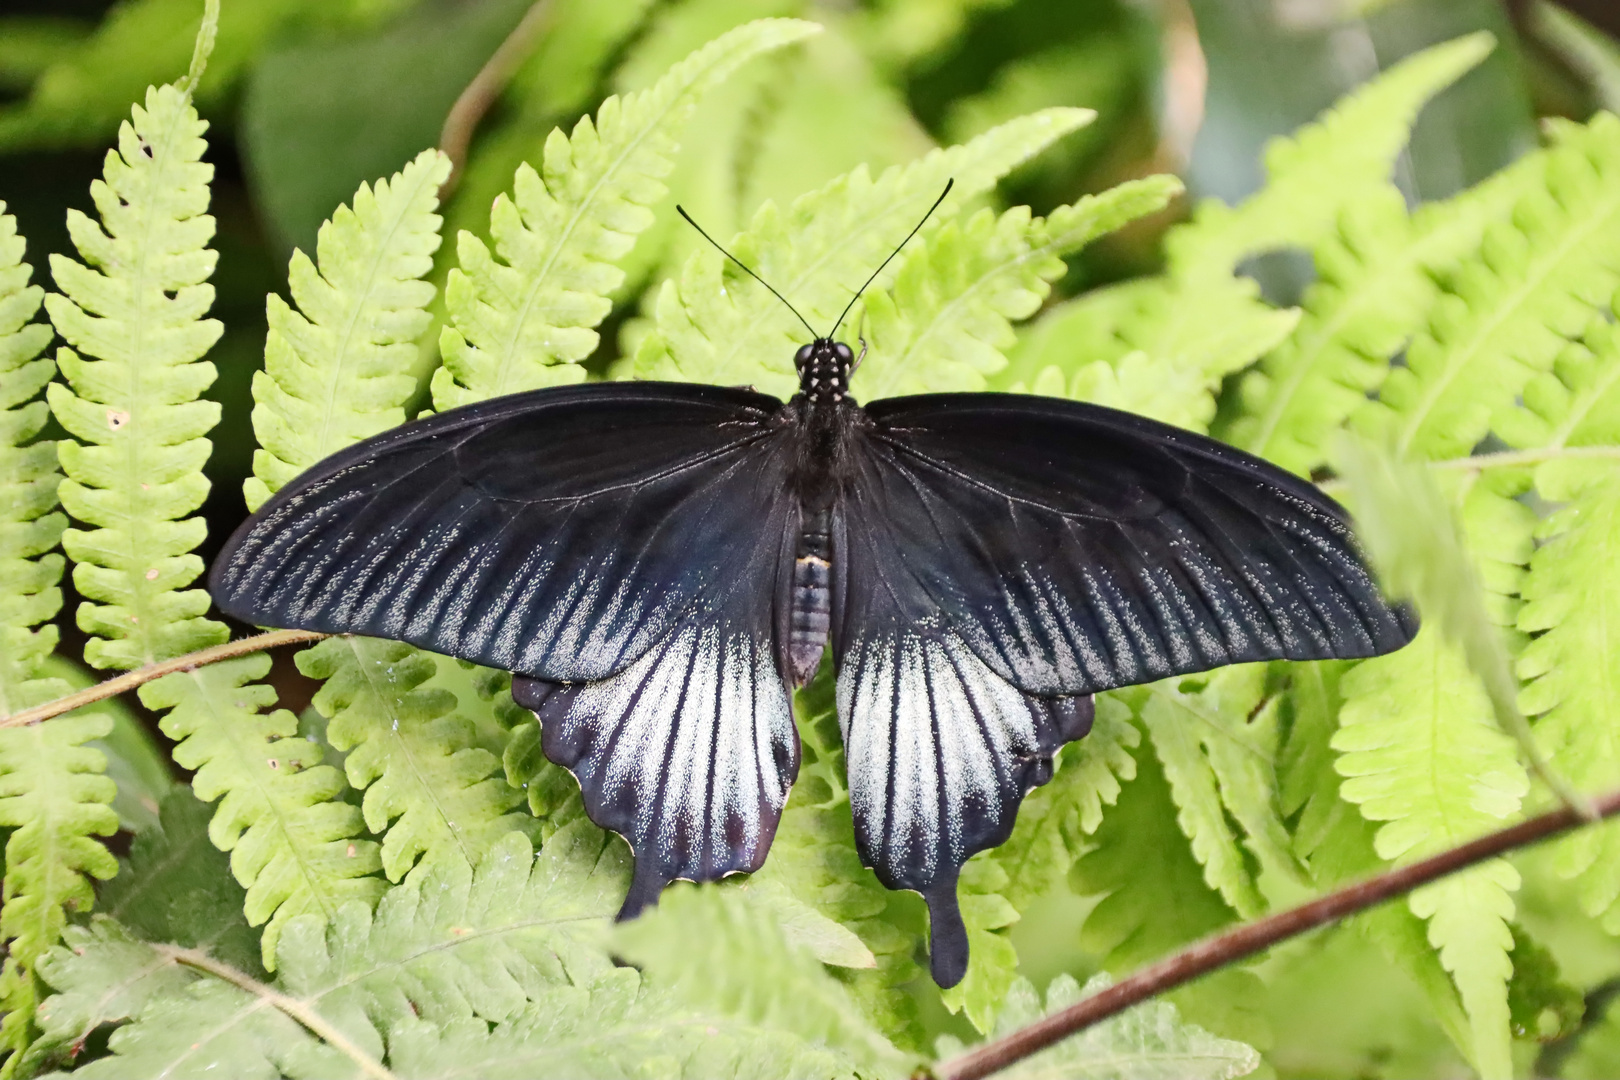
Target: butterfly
x,y
660,564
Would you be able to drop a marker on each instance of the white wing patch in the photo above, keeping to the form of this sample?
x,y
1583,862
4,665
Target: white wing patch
x,y
688,753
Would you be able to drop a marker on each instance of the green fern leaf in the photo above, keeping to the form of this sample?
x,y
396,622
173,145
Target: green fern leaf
x,y
1169,345
29,524
1374,289
813,859
1149,1042
1575,407
1508,312
1152,898
137,308
528,320
177,887
715,327
1421,753
720,953
337,369
53,794
1313,176
427,787
611,1029
1217,749
1336,842
1572,596
446,946
1056,819
293,840
945,323
55,798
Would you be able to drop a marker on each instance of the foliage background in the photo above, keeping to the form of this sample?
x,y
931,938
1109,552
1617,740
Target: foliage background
x,y
1191,806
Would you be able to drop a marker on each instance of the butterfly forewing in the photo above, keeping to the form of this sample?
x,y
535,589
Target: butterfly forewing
x,y
559,533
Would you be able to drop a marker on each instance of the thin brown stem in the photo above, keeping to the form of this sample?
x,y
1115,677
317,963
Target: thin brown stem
x,y
1244,941
486,88
140,676
300,1011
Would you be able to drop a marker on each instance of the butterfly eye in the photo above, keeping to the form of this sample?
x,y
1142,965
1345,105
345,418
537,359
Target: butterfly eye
x,y
844,353
802,357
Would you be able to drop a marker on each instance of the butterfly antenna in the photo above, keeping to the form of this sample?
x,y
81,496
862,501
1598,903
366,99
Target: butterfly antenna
x,y
681,211
948,185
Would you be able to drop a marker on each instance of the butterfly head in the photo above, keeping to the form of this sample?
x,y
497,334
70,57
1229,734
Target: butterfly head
x,y
824,368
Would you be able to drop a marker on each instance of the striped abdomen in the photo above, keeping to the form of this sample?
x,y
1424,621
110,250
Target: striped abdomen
x,y
812,598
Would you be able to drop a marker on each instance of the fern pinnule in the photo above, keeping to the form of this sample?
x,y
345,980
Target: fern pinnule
x,y
714,326
960,289
1325,167
1506,314
527,319
428,790
1573,407
337,369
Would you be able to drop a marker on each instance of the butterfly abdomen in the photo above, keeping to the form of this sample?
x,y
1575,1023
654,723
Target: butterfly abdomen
x,y
812,598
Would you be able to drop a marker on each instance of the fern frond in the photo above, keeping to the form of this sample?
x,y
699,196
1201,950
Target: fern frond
x,y
527,320
1313,176
1217,746
814,860
1573,673
1420,751
1576,404
720,953
1507,313
337,368
1374,289
945,324
294,842
1053,829
54,796
1336,842
448,945
56,799
29,524
176,886
715,326
137,310
427,787
1153,898
1149,1042
1175,342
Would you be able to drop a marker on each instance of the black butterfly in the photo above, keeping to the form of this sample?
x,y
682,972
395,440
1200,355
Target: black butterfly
x,y
660,564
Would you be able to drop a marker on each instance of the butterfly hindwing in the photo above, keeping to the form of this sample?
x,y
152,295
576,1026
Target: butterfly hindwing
x,y
1001,556
558,533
